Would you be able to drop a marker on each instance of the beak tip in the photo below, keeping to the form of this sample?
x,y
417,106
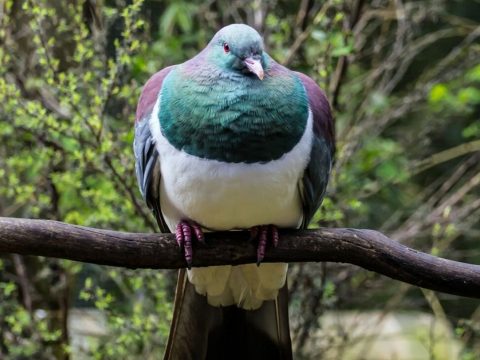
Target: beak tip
x,y
255,67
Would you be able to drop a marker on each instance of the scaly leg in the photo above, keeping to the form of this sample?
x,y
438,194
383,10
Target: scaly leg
x,y
183,234
264,234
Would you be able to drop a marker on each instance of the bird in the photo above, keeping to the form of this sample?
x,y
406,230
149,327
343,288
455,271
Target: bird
x,y
232,140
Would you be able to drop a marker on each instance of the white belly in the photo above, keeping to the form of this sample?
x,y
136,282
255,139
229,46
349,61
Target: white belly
x,y
224,196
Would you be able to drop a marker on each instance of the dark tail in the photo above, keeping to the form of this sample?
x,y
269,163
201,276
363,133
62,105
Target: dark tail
x,y
201,331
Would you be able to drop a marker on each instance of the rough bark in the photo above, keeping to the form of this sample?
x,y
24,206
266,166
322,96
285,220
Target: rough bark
x,y
366,248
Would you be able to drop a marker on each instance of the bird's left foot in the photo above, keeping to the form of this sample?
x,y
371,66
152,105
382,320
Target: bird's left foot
x,y
184,233
264,234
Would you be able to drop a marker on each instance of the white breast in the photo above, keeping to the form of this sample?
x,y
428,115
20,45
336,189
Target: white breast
x,y
224,196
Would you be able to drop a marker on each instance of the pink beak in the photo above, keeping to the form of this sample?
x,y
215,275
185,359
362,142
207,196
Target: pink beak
x,y
254,66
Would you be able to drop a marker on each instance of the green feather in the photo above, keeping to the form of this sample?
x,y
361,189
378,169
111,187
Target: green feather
x,y
210,112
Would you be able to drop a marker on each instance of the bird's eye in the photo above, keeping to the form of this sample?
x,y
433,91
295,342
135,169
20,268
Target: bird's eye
x,y
226,48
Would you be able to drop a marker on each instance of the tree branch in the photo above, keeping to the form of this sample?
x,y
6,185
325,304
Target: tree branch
x,y
445,155
342,64
366,248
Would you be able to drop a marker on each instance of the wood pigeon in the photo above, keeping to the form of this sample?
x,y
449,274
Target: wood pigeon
x,y
230,140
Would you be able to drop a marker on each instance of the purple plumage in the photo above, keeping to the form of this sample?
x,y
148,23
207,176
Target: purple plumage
x,y
323,124
150,93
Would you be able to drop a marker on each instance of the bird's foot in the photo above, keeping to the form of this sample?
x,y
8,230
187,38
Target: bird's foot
x,y
264,234
185,233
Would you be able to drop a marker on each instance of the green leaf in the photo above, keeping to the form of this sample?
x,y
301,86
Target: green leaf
x,y
438,93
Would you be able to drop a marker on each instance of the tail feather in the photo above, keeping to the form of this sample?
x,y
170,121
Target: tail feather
x,y
201,331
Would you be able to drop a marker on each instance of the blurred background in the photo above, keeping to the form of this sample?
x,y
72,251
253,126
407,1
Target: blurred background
x,y
403,79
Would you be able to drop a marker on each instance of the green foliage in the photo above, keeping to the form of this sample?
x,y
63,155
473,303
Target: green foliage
x,y
461,99
140,328
66,138
22,332
70,77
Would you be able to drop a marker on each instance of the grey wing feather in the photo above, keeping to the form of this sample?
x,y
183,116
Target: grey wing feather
x,y
315,179
147,169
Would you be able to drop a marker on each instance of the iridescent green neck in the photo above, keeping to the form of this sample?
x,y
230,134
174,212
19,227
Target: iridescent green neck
x,y
228,116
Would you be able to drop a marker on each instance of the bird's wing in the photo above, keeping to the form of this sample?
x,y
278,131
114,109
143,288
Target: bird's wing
x,y
315,178
147,166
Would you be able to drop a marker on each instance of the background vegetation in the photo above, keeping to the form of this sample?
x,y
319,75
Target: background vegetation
x,y
403,78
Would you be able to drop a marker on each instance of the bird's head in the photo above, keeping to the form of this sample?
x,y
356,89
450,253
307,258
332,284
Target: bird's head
x,y
238,47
